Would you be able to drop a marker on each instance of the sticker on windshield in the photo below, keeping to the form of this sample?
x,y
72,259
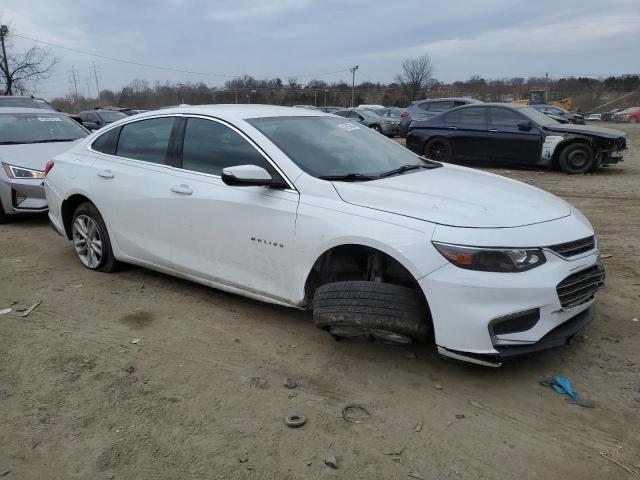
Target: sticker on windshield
x,y
49,119
349,127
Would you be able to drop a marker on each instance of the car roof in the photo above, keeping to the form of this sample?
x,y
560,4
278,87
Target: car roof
x,y
238,112
29,110
460,99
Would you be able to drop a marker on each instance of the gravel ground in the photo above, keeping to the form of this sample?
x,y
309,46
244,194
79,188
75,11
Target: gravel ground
x,y
202,395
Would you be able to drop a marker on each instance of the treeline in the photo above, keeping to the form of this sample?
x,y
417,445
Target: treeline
x,y
587,93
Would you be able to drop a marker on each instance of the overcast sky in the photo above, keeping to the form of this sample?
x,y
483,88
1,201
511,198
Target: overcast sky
x,y
307,39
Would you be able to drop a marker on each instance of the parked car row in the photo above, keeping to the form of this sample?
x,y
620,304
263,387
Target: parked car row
x,y
318,212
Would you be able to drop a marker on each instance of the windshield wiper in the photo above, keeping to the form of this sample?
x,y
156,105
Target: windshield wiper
x,y
349,177
408,168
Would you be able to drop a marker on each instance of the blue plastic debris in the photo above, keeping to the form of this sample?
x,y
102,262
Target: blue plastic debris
x,y
563,386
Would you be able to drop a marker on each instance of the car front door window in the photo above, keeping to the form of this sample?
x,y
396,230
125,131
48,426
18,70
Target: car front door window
x,y
210,146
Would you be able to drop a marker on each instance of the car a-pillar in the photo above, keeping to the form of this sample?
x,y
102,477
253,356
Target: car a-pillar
x,y
357,291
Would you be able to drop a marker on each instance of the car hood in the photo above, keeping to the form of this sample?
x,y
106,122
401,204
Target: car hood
x,y
588,130
33,155
457,196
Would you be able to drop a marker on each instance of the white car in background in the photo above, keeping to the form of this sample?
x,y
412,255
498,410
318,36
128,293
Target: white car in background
x,y
29,137
313,211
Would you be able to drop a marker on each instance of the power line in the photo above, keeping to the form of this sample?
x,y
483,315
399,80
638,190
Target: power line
x,y
159,67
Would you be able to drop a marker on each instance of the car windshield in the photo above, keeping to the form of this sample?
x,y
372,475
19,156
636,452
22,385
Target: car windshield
x,y
12,102
330,146
38,128
537,116
112,116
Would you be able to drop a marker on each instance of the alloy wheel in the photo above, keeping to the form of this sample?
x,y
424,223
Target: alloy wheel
x,y
438,150
87,241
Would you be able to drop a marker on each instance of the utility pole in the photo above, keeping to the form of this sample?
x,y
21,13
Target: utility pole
x,y
4,30
88,88
325,97
74,78
353,83
95,76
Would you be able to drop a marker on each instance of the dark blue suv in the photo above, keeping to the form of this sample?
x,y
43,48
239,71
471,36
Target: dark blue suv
x,y
427,108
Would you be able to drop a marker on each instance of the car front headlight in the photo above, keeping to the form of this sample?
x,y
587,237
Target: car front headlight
x,y
21,173
491,259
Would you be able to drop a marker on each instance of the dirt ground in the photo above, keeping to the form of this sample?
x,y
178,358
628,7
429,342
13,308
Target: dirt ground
x,y
201,395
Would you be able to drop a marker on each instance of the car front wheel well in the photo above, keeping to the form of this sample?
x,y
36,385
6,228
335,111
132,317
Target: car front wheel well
x,y
67,210
357,263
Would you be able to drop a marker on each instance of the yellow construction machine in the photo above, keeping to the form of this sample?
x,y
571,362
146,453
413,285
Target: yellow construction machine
x,y
542,96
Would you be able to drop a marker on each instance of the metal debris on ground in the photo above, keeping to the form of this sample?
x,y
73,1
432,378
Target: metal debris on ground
x,y
437,386
295,421
290,383
135,341
605,255
460,416
415,475
5,310
130,369
31,308
331,462
418,427
563,386
355,413
475,403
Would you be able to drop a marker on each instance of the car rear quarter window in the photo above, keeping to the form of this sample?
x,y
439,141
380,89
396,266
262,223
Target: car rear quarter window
x,y
146,140
106,143
466,116
210,146
503,117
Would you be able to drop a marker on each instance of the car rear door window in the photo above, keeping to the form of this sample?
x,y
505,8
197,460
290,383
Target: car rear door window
x,y
210,146
146,140
503,117
436,106
106,143
466,116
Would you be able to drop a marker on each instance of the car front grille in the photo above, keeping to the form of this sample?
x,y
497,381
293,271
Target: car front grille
x,y
576,247
580,287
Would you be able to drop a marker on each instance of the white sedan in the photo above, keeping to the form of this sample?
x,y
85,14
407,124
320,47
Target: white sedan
x,y
309,210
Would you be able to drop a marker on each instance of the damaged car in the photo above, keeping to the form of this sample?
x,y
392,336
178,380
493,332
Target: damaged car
x,y
509,134
313,211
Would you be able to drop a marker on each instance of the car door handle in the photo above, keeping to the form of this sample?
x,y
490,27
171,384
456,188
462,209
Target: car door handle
x,y
453,128
494,130
182,189
105,174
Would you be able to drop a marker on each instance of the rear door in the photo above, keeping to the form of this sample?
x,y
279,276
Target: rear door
x,y
132,188
242,237
507,142
467,128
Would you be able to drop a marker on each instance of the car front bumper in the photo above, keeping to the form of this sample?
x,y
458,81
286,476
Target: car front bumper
x,y
467,305
22,196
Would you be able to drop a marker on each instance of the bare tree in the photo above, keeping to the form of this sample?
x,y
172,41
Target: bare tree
x,y
416,73
19,71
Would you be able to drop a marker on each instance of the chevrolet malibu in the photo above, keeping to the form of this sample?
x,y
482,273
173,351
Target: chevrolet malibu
x,y
313,211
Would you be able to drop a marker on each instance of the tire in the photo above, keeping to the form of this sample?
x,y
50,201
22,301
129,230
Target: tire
x,y
384,311
4,218
439,149
576,158
88,226
376,128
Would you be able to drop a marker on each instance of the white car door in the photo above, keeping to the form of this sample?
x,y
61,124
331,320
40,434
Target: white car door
x,y
132,189
242,237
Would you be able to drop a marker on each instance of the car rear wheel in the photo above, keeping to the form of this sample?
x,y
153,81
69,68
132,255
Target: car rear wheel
x,y
91,239
376,128
576,158
439,149
371,310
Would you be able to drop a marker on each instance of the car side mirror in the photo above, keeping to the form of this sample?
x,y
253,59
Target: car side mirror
x,y
525,126
250,176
